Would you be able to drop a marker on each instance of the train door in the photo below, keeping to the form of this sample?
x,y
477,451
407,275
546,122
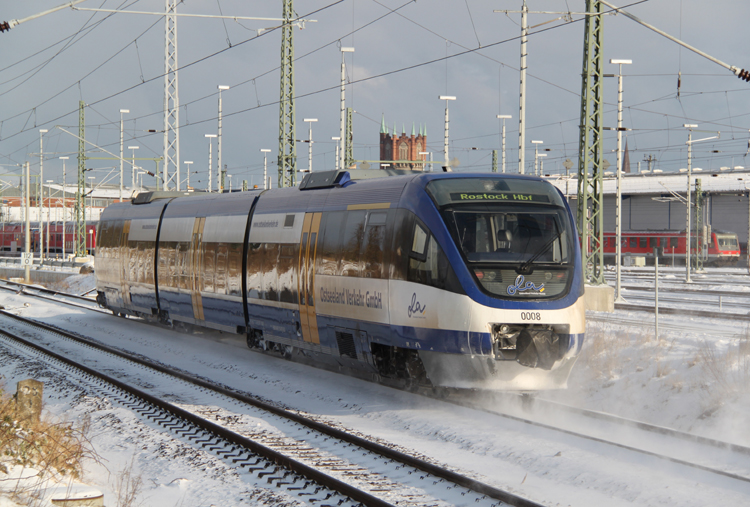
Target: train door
x,y
124,262
196,268
306,279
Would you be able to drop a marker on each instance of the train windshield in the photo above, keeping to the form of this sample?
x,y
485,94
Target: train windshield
x,y
727,241
517,240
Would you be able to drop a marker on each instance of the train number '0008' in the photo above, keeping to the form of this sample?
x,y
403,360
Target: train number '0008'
x,y
531,316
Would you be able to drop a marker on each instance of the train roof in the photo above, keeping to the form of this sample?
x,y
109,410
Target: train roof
x,y
325,189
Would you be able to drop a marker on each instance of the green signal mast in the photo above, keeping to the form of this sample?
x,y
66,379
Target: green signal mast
x,y
590,191
287,148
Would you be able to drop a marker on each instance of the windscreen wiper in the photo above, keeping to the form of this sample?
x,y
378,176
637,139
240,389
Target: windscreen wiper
x,y
527,267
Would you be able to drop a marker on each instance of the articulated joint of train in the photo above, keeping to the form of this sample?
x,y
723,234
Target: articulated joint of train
x,y
531,345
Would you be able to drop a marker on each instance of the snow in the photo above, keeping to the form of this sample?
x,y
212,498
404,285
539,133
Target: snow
x,y
694,380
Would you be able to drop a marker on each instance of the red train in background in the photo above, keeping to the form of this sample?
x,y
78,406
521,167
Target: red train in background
x,y
12,239
722,248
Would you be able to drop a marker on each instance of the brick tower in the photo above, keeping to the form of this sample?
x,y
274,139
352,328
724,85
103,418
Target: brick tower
x,y
402,147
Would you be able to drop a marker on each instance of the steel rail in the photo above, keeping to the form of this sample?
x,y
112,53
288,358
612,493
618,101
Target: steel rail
x,y
213,428
386,452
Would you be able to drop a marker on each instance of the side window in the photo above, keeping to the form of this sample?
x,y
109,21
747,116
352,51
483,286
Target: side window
x,y
328,243
373,246
220,281
643,242
403,228
633,242
673,242
432,267
351,242
234,268
209,266
287,284
270,272
419,244
255,270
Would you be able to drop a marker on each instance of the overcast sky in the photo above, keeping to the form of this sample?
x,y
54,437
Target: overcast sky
x,y
115,62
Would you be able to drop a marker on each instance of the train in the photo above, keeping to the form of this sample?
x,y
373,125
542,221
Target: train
x,y
721,249
412,278
13,234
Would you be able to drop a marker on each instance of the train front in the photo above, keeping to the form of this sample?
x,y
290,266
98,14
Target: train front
x,y
513,246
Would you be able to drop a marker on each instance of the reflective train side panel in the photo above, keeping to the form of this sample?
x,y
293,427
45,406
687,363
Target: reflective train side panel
x,y
450,280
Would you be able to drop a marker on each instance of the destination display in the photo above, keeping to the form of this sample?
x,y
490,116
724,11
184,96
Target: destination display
x,y
498,196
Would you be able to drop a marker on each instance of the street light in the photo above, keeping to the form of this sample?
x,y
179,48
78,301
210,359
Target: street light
x,y
541,163
536,156
342,125
41,195
218,143
49,210
446,98
337,139
132,164
425,153
91,209
504,117
690,127
265,152
187,181
618,210
310,143
64,208
210,159
122,111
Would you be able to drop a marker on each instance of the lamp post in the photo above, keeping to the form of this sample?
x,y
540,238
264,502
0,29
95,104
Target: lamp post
x,y
49,210
618,211
265,152
336,139
41,195
187,180
132,164
310,121
91,211
690,127
425,153
63,205
342,126
122,111
536,156
541,164
218,142
446,98
504,117
210,160
27,242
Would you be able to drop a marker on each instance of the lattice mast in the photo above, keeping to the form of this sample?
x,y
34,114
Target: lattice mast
x,y
287,148
349,148
80,209
171,98
590,191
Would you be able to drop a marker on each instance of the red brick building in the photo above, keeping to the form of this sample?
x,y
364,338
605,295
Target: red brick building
x,y
403,147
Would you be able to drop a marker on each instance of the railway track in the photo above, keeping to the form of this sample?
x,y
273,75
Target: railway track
x,y
305,458
657,443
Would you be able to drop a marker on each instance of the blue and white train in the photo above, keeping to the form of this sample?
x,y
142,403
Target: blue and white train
x,y
431,279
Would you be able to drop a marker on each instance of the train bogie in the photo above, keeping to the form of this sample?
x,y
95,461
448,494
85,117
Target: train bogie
x,y
432,279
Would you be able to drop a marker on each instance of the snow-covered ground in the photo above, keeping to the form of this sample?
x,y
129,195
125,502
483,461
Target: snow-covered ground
x,y
695,380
